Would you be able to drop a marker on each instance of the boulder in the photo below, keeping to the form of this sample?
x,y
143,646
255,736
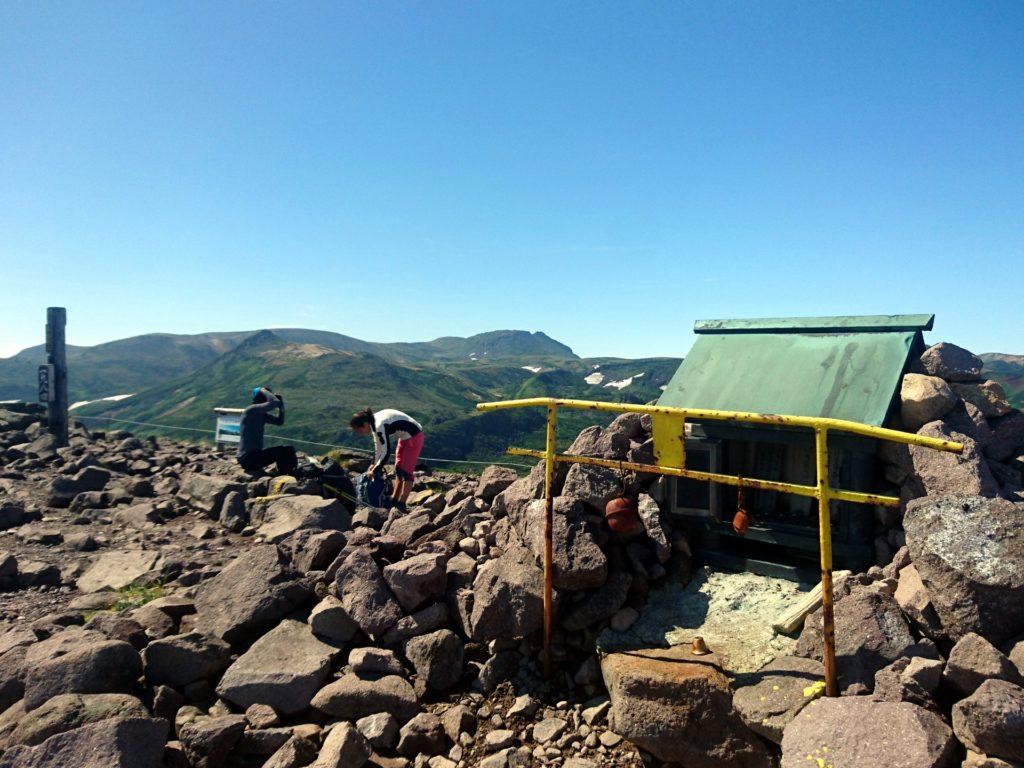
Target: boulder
x,y
423,734
278,519
283,669
987,396
871,633
600,604
406,528
1007,438
991,720
968,420
914,680
294,753
858,732
650,516
459,719
42,447
13,514
330,621
79,661
73,710
578,562
417,579
344,747
118,568
233,514
773,696
62,490
437,658
180,660
209,740
916,604
426,620
380,730
974,660
939,472
679,708
924,399
592,486
249,596
136,742
507,599
353,697
207,492
315,551
12,675
950,362
374,662
493,481
969,552
365,595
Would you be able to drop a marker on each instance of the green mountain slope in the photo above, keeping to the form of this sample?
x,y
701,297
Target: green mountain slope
x,y
323,385
1008,370
118,367
129,365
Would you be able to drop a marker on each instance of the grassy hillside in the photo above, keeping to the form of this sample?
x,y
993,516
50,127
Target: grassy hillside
x,y
323,385
118,367
1008,370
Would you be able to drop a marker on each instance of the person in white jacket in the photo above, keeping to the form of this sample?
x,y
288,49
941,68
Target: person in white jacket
x,y
386,426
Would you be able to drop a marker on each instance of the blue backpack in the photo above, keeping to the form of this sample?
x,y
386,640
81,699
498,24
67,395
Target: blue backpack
x,y
373,491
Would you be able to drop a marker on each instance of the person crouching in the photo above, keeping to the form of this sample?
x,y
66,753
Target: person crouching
x,y
388,425
252,456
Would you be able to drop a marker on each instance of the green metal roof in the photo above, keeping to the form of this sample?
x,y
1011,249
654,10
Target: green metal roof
x,y
867,323
843,368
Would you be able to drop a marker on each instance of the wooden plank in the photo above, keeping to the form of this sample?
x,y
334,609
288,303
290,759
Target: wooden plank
x,y
793,619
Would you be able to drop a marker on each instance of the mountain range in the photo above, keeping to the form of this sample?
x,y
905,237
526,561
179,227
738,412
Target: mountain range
x,y
176,381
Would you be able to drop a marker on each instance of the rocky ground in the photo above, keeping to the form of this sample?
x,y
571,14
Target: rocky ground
x,y
160,608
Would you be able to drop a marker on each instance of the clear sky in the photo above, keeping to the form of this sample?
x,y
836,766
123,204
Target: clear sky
x,y
604,172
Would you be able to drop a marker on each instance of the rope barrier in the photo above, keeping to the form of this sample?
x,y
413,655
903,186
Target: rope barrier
x,y
286,438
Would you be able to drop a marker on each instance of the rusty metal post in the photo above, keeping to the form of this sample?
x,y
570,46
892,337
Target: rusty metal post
x,y
828,623
549,478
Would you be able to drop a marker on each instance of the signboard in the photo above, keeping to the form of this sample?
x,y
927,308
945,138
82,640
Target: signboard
x,y
229,428
47,384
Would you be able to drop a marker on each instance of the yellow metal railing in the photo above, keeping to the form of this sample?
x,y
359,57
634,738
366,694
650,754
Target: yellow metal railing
x,y
822,490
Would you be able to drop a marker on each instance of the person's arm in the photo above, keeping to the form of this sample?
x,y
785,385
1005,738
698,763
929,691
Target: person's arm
x,y
277,401
382,448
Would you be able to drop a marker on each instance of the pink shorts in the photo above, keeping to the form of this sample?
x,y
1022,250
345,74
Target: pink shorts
x,y
407,453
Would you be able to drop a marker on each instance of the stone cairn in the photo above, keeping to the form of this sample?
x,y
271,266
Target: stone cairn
x,y
160,609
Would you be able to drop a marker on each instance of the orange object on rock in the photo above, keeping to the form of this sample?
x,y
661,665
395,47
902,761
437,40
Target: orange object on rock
x,y
621,515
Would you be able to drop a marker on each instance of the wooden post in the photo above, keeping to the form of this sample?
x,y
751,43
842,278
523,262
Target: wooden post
x,y
828,623
549,475
57,406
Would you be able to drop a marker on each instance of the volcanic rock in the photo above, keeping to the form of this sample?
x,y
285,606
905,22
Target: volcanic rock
x,y
249,596
679,708
283,669
776,693
857,732
969,552
991,720
179,660
365,595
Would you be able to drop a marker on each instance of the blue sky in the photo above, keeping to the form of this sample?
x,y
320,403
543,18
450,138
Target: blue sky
x,y
604,172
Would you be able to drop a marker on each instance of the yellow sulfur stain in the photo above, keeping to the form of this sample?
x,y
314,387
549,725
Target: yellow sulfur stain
x,y
814,690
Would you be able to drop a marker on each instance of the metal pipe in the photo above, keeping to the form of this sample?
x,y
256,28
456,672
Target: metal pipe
x,y
809,422
810,491
828,624
549,474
